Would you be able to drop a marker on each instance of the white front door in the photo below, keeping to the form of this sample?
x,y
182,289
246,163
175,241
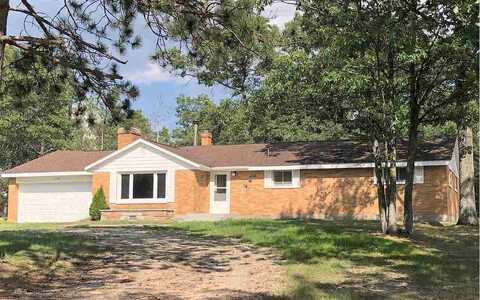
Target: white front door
x,y
220,193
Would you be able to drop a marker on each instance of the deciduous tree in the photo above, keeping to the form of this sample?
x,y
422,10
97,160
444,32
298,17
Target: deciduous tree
x,y
227,121
385,67
468,211
440,60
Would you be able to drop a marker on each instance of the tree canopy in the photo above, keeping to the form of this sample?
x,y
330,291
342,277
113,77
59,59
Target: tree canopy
x,y
227,120
34,111
222,42
382,69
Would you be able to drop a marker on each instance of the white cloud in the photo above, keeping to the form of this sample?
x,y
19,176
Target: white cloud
x,y
280,13
153,73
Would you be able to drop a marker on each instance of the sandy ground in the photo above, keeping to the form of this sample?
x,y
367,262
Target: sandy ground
x,y
162,264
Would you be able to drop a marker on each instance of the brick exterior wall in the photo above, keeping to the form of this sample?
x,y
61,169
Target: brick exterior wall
x,y
170,205
12,202
156,215
192,192
336,193
322,194
430,198
191,195
101,179
340,193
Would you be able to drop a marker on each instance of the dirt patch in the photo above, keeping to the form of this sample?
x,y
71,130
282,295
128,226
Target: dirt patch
x,y
157,264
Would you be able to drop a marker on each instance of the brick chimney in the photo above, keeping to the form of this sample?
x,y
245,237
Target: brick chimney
x,y
127,136
206,138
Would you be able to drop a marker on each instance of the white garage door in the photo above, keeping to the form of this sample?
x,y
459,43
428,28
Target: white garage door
x,y
54,202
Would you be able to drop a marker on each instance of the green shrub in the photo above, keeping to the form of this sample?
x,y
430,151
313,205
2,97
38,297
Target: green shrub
x,y
98,203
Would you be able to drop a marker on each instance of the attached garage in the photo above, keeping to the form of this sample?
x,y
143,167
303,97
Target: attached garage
x,y
54,199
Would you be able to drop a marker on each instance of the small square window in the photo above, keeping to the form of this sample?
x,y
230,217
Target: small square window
x,y
282,177
278,176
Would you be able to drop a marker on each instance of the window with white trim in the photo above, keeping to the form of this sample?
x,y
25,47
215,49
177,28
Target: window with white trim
x,y
125,187
143,186
402,175
282,177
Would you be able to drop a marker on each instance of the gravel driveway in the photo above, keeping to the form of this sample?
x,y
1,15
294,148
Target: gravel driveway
x,y
163,263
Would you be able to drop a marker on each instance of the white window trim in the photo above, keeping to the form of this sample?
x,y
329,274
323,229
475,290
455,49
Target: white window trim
x,y
269,183
130,199
418,176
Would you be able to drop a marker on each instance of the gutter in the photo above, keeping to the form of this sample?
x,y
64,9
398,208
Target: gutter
x,y
44,174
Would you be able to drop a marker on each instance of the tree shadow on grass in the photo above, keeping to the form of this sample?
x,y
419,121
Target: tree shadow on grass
x,y
230,294
78,262
436,262
32,259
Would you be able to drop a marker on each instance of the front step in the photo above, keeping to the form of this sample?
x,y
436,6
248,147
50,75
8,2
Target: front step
x,y
138,214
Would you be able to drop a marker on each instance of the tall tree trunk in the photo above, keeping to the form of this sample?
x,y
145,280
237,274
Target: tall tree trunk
x,y
382,207
468,212
408,195
411,151
392,188
4,9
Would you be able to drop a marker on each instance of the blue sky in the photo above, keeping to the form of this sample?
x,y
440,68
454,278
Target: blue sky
x,y
158,88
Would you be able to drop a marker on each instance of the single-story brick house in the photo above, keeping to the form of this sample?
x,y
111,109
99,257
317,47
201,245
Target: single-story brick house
x,y
143,179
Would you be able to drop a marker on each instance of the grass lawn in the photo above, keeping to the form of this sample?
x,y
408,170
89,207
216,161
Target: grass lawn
x,y
41,249
348,260
46,248
323,259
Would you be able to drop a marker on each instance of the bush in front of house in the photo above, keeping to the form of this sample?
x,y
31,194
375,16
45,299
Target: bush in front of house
x,y
98,203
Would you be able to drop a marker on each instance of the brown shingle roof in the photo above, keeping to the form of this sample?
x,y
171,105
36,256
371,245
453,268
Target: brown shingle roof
x,y
281,154
60,161
326,152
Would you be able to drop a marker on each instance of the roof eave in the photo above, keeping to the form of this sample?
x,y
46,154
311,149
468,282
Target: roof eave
x,y
325,166
44,174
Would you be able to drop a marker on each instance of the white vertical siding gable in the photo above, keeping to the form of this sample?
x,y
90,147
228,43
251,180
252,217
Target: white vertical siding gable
x,y
141,157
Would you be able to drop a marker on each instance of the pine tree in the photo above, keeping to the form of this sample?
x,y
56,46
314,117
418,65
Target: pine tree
x,y
98,203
